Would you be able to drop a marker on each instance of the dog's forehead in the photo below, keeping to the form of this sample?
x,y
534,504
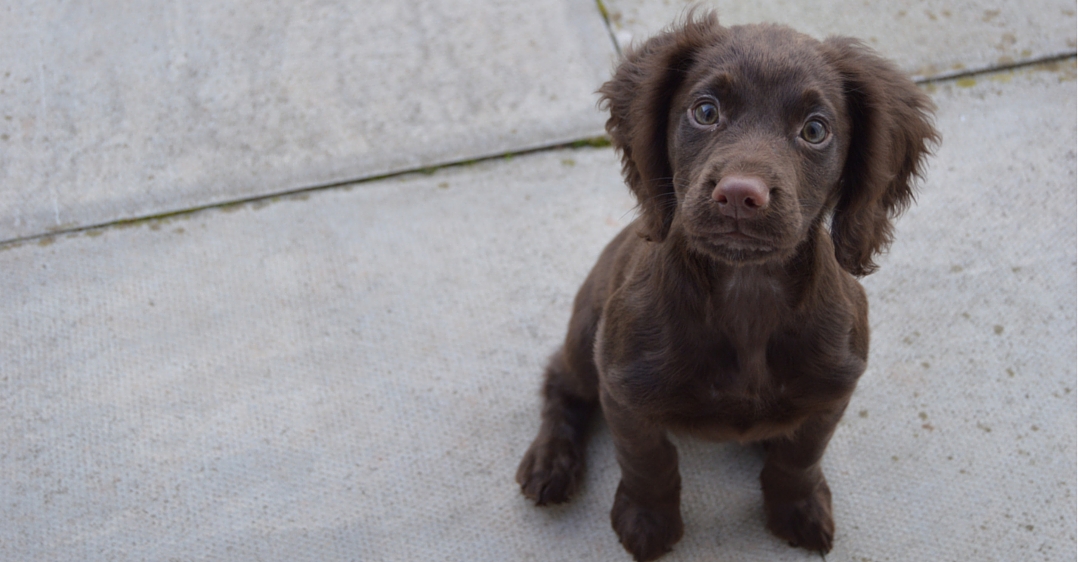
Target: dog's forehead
x,y
766,55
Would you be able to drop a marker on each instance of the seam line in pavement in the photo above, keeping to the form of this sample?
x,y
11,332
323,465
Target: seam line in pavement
x,y
609,29
591,142
959,74
594,142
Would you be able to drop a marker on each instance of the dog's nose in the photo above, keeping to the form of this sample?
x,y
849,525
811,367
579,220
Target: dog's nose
x,y
741,197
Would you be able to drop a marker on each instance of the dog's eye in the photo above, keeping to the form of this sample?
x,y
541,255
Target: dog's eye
x,y
705,113
814,131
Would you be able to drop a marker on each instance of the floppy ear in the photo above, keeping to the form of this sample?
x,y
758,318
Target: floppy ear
x,y
639,98
891,132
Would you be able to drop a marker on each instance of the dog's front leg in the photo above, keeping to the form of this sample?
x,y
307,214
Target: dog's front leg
x,y
796,496
647,507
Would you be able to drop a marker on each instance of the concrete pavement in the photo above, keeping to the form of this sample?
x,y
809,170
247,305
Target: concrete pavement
x,y
350,373
116,110
927,38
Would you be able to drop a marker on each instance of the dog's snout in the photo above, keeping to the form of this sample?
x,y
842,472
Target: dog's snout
x,y
741,197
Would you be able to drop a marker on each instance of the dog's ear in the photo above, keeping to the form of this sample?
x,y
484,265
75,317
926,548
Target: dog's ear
x,y
891,133
639,98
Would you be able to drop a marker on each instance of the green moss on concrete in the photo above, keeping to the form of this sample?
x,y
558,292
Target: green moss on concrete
x,y
593,142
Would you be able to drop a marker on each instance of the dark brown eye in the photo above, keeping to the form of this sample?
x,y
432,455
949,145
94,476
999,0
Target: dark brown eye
x,y
705,113
814,131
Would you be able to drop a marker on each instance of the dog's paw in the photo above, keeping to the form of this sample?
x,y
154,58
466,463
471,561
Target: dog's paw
x,y
550,471
646,533
806,522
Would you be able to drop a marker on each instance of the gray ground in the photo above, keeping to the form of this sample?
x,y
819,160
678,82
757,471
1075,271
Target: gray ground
x,y
265,298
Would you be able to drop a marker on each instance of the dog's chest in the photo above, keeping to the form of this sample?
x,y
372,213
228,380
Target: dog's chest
x,y
726,389
736,394
729,372
743,366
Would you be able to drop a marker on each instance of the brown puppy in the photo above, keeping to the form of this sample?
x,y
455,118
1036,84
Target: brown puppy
x,y
768,166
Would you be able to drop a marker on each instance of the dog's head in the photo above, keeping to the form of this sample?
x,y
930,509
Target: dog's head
x,y
743,138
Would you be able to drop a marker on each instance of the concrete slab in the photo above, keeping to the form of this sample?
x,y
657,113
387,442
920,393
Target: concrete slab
x,y
967,411
121,109
353,374
927,38
346,377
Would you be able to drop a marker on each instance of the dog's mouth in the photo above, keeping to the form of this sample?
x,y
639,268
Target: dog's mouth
x,y
736,246
735,241
736,235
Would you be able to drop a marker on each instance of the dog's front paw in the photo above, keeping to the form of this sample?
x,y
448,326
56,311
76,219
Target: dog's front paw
x,y
550,471
805,522
647,533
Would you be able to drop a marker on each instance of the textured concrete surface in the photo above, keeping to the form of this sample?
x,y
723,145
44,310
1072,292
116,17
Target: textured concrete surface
x,y
349,376
960,442
114,110
927,38
352,373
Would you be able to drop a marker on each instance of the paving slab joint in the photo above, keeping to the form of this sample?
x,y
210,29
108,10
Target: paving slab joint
x,y
970,73
47,238
609,29
591,142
